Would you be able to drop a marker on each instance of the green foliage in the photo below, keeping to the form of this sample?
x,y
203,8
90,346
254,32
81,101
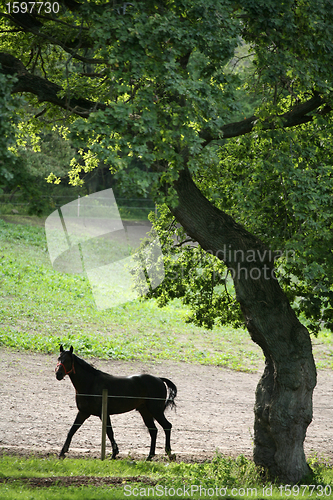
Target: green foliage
x,y
29,155
53,155
146,116
282,183
196,277
290,42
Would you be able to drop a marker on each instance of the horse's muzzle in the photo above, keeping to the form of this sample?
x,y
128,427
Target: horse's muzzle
x,y
59,374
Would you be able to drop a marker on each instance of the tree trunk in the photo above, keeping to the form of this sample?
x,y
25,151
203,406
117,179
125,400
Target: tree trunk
x,y
283,408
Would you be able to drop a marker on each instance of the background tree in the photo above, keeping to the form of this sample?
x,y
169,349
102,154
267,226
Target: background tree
x,y
28,154
150,80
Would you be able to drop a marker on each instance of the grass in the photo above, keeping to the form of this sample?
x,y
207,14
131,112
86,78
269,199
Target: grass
x,y
221,478
41,308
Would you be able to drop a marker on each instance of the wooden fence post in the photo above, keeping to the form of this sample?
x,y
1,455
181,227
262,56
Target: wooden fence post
x,y
104,418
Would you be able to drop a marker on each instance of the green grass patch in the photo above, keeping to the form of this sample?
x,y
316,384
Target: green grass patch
x,y
220,478
41,307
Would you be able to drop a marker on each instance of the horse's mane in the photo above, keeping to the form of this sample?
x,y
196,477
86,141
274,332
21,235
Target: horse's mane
x,y
86,366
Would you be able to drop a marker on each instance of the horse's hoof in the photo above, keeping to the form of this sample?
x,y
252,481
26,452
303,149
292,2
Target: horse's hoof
x,y
115,452
172,457
149,458
61,456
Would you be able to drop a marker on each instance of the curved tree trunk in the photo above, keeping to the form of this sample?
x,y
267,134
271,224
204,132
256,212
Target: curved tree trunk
x,y
283,408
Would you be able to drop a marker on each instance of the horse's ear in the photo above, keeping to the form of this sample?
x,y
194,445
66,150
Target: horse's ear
x,y
61,349
71,349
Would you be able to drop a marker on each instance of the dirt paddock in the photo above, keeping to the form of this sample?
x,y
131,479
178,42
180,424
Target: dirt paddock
x,y
214,411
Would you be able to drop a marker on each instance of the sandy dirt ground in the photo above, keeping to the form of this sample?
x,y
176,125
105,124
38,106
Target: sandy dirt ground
x,y
214,411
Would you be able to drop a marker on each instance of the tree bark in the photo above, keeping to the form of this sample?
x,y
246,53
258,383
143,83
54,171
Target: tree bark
x,y
283,407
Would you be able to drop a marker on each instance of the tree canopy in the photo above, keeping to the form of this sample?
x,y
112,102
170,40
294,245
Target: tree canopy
x,y
164,82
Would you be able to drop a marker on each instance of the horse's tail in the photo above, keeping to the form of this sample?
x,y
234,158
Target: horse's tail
x,y
172,393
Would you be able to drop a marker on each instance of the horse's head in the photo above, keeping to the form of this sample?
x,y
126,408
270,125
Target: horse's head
x,y
65,364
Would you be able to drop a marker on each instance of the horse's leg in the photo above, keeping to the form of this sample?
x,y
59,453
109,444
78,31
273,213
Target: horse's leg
x,y
109,432
160,418
80,418
149,421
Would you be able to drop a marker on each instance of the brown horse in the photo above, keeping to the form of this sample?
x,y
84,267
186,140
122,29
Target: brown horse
x,y
145,393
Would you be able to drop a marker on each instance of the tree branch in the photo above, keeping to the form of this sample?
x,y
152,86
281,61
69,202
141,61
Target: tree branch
x,y
296,116
43,89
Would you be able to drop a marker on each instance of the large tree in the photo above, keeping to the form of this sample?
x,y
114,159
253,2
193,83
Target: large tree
x,y
158,81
